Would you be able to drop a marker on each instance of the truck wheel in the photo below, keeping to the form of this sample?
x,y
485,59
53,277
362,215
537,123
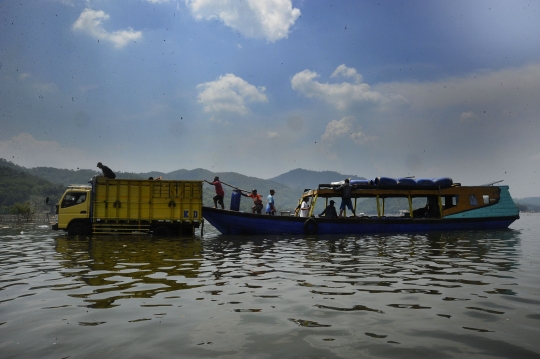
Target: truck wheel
x,y
162,231
78,229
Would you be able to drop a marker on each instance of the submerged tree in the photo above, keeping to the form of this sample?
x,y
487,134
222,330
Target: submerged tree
x,y
23,211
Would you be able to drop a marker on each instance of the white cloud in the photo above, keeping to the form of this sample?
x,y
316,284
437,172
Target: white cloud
x,y
341,95
91,22
229,93
347,72
270,19
26,151
272,134
487,94
47,87
347,127
65,2
467,117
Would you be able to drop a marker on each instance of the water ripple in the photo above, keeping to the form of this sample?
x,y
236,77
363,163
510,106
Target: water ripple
x,y
235,295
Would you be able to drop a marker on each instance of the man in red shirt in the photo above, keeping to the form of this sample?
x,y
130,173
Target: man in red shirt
x,y
218,198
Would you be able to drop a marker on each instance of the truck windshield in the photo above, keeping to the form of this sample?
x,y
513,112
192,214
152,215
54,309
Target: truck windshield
x,y
73,198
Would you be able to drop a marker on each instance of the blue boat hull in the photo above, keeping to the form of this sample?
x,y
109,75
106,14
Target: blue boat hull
x,y
239,223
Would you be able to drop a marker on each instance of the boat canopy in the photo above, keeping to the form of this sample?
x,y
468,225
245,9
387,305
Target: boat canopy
x,y
440,202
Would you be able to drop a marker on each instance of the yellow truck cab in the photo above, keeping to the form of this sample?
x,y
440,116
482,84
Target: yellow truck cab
x,y
116,206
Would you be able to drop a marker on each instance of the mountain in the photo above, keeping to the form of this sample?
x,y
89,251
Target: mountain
x,y
65,176
301,178
286,197
6,163
20,186
288,186
528,204
535,201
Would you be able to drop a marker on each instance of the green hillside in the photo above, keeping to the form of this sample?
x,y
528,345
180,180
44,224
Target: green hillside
x,y
301,178
288,186
528,204
286,198
19,187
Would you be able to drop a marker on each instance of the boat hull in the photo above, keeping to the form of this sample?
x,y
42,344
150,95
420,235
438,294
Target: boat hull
x,y
240,223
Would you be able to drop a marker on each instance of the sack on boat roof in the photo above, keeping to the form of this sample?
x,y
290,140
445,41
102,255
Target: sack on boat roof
x,y
385,181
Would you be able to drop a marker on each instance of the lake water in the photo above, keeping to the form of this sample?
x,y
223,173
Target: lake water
x,y
438,295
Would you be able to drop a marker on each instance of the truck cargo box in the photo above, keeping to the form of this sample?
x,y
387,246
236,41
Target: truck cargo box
x,y
147,200
113,206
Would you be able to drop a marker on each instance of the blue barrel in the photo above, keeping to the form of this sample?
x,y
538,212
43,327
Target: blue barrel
x,y
425,182
235,200
360,183
385,181
443,182
406,181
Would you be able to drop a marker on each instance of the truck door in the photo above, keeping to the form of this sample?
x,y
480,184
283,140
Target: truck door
x,y
74,205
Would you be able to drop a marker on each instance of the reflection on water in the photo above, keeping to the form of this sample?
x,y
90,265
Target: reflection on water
x,y
445,295
128,267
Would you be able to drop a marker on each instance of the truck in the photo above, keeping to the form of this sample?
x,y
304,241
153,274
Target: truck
x,y
125,206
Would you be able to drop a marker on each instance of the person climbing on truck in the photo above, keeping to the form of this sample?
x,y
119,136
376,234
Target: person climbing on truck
x,y
107,172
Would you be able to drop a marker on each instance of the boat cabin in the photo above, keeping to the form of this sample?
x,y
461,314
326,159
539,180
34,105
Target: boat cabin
x,y
414,202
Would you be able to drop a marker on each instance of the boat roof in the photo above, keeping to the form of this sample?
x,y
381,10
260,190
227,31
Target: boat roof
x,y
330,191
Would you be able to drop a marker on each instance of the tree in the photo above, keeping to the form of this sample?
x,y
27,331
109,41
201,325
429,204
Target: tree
x,y
23,210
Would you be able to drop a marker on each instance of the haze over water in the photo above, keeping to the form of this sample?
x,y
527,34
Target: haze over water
x,y
442,295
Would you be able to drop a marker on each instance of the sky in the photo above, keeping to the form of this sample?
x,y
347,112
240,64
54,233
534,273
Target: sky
x,y
261,87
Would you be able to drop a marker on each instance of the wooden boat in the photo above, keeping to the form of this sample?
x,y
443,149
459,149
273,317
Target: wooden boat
x,y
445,206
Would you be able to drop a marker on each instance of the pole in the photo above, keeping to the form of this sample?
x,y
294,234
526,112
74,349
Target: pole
x,y
226,184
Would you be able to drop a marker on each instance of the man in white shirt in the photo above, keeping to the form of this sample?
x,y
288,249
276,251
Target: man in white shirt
x,y
304,208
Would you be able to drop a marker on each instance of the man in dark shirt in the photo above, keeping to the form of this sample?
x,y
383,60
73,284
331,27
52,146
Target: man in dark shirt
x,y
345,198
329,211
106,171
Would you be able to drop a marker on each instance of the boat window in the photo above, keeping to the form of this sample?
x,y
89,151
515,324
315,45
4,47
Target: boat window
x,y
486,198
450,201
472,200
364,206
428,209
397,206
73,198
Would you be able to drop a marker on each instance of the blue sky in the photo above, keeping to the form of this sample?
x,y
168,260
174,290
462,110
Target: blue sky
x,y
371,88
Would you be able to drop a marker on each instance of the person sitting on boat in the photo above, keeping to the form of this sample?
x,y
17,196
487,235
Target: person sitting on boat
x,y
345,189
304,207
257,201
270,207
329,211
218,198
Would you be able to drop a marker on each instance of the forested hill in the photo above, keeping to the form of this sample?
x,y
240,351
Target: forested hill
x,y
531,204
18,187
301,178
286,197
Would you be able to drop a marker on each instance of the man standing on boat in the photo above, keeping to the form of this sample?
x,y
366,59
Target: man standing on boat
x,y
270,208
345,198
257,201
218,198
304,207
